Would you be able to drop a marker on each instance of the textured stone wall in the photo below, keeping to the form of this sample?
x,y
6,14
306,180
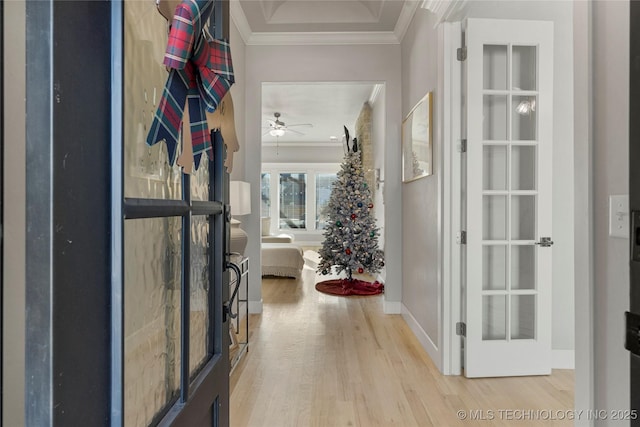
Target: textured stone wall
x,y
363,133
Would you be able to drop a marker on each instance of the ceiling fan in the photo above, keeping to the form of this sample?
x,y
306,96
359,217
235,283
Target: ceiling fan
x,y
279,128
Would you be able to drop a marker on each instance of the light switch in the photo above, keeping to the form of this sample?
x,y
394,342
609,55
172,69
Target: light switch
x,y
619,216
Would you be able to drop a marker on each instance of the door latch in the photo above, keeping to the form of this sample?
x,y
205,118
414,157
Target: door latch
x,y
545,242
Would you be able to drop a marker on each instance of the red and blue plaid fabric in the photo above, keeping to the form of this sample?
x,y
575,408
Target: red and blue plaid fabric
x,y
201,74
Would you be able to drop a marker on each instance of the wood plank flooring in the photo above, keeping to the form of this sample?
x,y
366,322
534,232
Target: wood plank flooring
x,y
321,360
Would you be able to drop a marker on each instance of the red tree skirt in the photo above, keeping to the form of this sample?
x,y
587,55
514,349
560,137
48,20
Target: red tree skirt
x,y
350,287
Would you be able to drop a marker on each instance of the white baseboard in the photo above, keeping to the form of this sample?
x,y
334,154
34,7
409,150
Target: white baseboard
x,y
563,359
391,307
423,337
255,307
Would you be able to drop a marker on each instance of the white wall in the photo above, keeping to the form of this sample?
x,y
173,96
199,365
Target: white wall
x,y
238,93
421,231
422,284
13,333
583,211
378,137
610,105
299,153
319,63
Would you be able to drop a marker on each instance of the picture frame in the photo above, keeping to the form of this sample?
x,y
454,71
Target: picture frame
x,y
417,140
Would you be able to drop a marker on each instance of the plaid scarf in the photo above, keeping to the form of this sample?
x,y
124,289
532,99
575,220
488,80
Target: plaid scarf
x,y
201,74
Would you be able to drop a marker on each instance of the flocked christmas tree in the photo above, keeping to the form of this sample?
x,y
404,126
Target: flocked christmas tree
x,y
351,236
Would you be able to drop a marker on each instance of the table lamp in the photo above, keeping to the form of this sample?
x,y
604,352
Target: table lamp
x,y
240,202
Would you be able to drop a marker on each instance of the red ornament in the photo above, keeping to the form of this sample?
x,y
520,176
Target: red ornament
x,y
347,251
353,216
361,270
370,205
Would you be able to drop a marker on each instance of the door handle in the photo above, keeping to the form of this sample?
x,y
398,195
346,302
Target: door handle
x,y
545,242
632,335
635,235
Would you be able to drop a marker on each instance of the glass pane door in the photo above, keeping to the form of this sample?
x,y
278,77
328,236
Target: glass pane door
x,y
507,197
175,346
509,191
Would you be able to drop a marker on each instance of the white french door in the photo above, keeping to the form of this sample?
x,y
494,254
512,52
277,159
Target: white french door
x,y
509,87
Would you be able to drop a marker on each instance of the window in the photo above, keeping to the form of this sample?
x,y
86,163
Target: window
x,y
293,200
324,184
295,195
265,199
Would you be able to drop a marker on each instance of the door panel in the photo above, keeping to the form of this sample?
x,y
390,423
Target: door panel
x,y
634,196
509,138
175,358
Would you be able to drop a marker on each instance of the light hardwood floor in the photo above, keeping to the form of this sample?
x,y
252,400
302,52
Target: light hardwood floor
x,y
321,360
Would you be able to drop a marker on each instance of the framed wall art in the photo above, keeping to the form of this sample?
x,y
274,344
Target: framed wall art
x,y
417,151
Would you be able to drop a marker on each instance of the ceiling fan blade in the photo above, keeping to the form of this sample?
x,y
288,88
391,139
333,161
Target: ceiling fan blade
x,y
301,124
293,131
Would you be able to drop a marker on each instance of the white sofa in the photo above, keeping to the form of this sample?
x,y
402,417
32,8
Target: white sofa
x,y
280,256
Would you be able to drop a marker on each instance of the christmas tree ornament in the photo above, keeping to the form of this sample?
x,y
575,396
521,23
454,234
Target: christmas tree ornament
x,y
353,216
347,251
360,270
359,204
370,205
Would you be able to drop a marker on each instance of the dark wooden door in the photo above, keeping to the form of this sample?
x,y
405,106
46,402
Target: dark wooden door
x,y
168,305
126,273
633,316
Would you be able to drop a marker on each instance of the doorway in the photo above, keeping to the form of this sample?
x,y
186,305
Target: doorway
x,y
303,146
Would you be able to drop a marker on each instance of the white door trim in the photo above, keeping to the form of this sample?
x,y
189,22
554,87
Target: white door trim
x,y
452,158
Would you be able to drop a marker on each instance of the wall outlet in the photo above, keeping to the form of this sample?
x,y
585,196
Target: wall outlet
x,y
619,216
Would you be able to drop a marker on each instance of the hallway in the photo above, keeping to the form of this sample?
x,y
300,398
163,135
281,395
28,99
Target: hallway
x,y
320,360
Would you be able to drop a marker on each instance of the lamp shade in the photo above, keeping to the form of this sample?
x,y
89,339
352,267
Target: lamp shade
x,y
240,197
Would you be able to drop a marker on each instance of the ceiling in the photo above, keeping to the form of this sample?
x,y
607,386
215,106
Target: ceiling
x,y
322,21
327,106
321,15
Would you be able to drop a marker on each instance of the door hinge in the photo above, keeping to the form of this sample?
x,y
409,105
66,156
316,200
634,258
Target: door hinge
x,y
463,237
463,146
461,329
461,53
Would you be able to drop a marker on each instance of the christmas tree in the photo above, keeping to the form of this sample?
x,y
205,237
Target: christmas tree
x,y
351,236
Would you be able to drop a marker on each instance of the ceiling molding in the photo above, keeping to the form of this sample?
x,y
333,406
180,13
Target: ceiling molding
x,y
374,93
301,144
404,20
322,38
240,19
327,38
443,9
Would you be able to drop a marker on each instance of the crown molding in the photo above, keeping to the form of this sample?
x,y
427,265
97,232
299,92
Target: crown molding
x,y
301,144
377,88
404,20
444,9
328,38
322,38
240,19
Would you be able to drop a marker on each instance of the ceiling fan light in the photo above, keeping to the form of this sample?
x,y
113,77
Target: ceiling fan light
x,y
276,132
